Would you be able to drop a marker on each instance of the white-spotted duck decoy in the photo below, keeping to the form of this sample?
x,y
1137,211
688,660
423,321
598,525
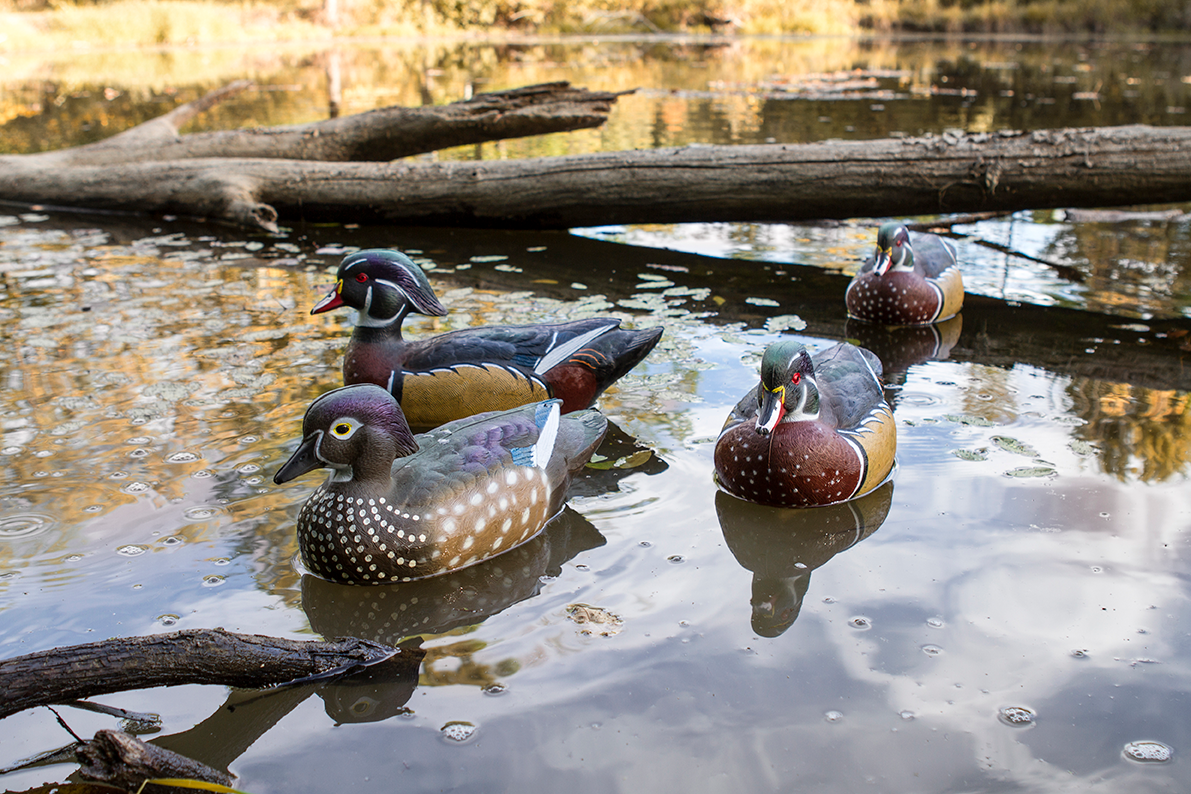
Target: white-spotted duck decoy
x,y
399,507
464,372
910,280
815,431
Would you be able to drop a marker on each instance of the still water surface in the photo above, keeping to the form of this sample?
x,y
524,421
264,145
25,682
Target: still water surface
x,y
1007,614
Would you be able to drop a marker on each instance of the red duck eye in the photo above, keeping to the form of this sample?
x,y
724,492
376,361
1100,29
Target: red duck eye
x,y
362,277
796,378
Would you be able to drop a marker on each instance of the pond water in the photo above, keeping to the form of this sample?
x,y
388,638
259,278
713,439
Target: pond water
x,y
1007,614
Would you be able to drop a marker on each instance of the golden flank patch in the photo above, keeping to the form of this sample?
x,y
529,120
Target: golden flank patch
x,y
442,395
877,436
951,285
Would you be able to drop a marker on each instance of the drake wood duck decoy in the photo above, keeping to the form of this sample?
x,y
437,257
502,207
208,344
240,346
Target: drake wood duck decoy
x,y
904,284
815,431
471,370
398,507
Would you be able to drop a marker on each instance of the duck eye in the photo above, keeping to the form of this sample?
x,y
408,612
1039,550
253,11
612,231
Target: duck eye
x,y
796,378
342,429
361,277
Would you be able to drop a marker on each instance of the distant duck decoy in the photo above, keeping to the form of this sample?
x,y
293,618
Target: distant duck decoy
x,y
398,507
471,370
907,284
815,431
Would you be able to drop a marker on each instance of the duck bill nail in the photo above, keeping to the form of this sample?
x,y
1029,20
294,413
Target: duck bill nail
x,y
304,459
332,301
771,411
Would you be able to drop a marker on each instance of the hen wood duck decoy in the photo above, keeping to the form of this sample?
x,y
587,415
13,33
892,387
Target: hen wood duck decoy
x,y
815,431
398,507
904,284
471,370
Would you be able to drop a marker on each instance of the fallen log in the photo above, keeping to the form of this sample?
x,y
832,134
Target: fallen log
x,y
256,178
199,656
374,136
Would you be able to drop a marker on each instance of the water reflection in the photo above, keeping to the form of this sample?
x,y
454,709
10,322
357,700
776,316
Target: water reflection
x,y
782,546
901,347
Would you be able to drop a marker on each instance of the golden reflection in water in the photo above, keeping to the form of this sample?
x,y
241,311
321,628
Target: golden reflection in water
x,y
1141,433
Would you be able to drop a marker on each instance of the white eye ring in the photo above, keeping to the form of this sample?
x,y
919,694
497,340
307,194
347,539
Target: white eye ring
x,y
344,428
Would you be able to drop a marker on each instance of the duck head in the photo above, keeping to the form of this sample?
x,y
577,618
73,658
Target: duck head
x,y
384,285
893,249
356,431
788,389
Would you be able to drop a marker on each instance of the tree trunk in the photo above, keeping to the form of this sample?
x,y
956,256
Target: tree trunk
x,y
338,170
779,182
201,656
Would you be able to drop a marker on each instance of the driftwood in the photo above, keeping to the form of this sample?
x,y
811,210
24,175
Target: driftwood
x,y
200,656
124,761
318,172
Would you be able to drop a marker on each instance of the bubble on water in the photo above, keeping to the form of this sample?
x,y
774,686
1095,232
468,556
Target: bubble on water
x,y
677,559
935,623
495,689
136,487
1104,515
248,468
1080,653
23,525
254,481
92,508
174,540
221,561
932,650
131,550
833,716
118,475
138,440
43,453
168,620
12,450
182,457
203,474
1017,716
860,622
248,439
645,544
828,600
458,731
213,580
1148,752
9,575
74,558
139,452
906,715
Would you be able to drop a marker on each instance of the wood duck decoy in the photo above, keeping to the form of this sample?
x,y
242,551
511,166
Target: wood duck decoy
x,y
904,284
398,507
815,431
471,370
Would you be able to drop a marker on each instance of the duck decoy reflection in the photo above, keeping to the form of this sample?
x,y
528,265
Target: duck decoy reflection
x,y
472,370
781,547
399,508
911,279
903,346
816,430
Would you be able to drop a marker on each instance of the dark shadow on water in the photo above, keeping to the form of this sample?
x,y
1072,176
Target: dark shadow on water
x,y
782,546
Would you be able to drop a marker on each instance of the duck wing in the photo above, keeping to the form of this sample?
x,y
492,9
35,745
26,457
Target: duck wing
x,y
849,382
463,455
533,347
933,254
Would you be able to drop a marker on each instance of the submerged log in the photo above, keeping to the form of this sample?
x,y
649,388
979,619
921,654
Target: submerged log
x,y
124,761
199,656
318,172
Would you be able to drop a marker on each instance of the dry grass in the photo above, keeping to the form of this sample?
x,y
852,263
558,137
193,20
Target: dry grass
x,y
60,24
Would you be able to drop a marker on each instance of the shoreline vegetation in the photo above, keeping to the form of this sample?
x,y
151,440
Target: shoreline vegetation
x,y
46,25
